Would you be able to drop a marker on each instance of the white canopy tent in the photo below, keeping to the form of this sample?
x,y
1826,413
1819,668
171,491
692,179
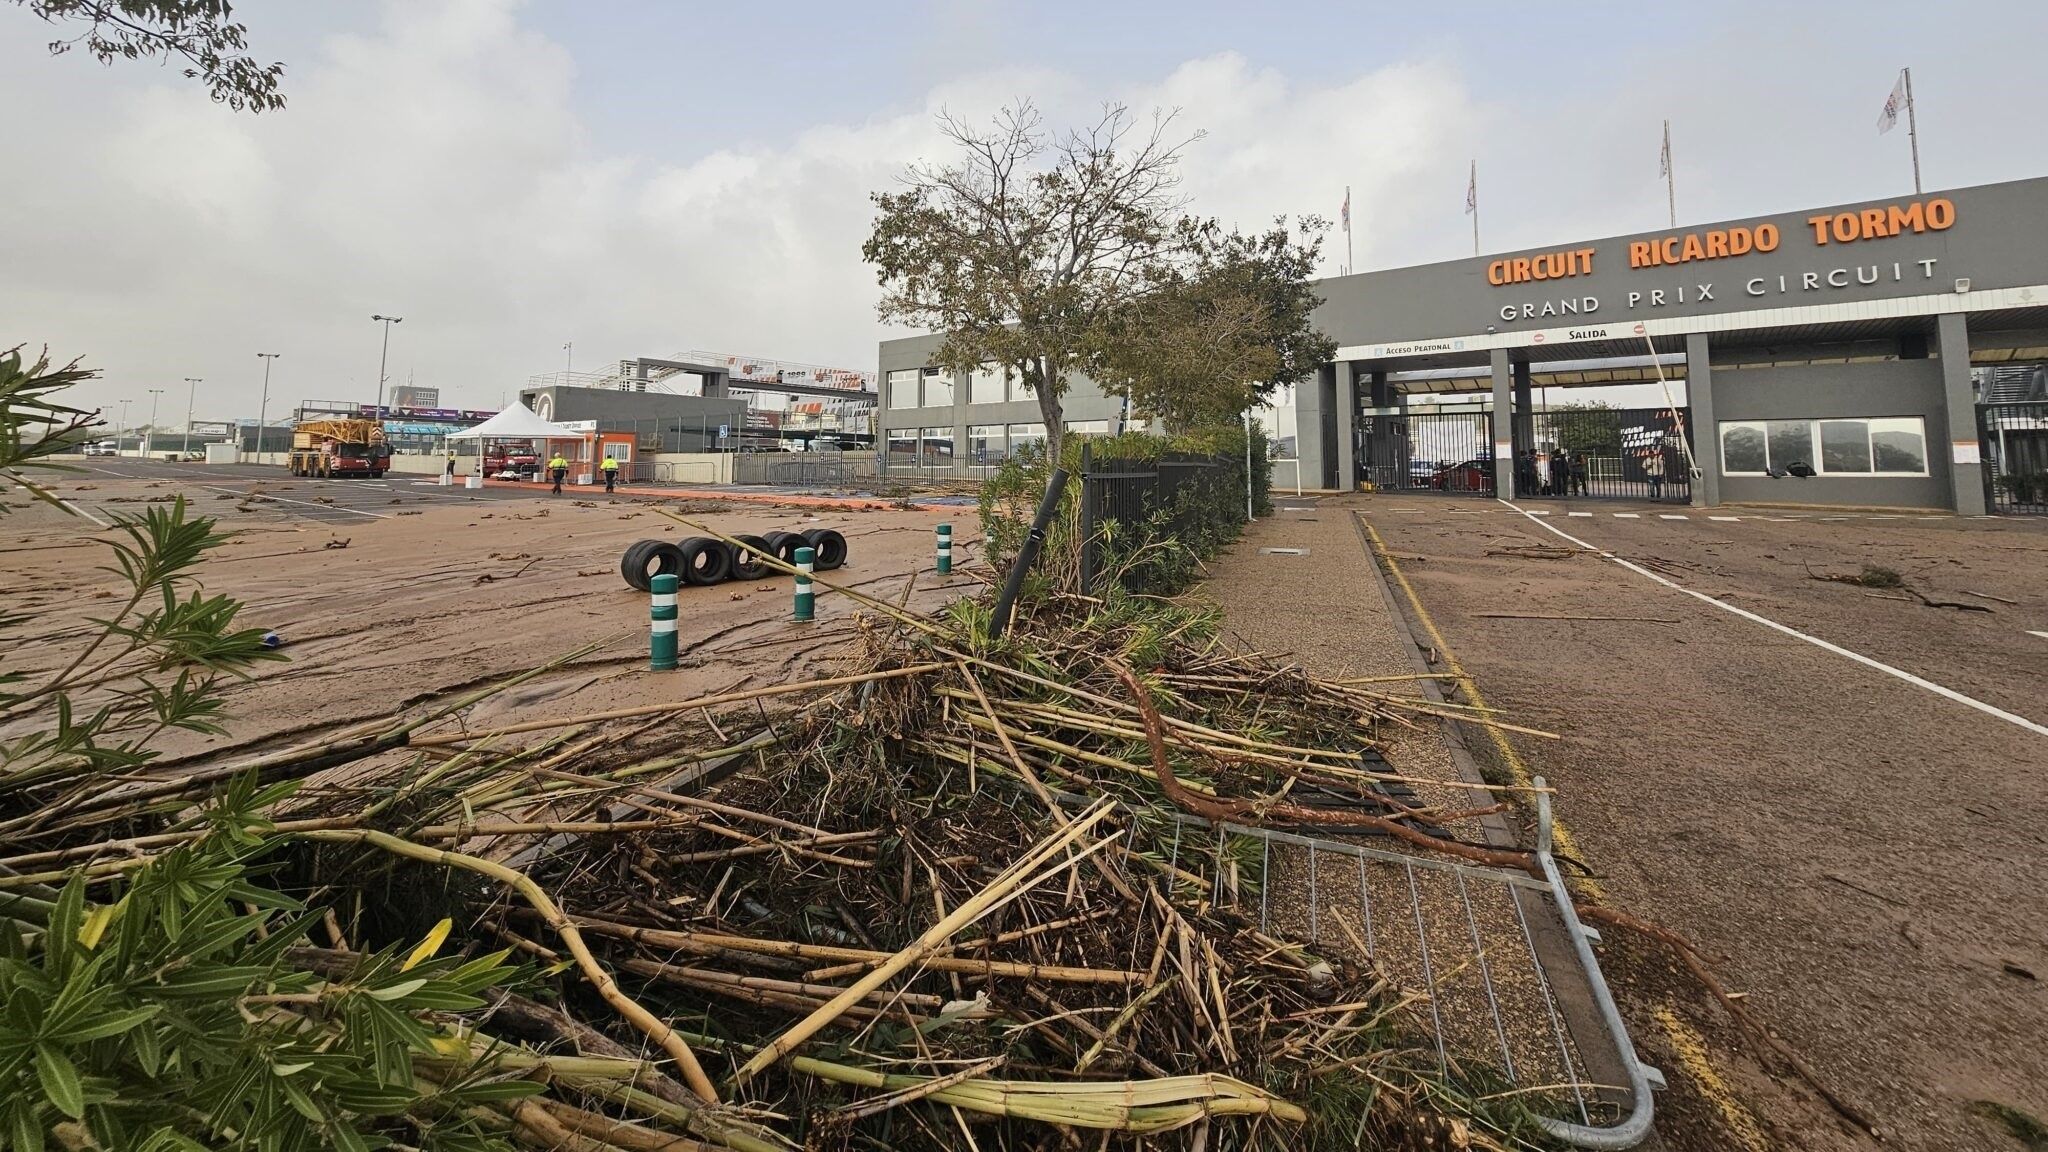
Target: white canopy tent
x,y
515,423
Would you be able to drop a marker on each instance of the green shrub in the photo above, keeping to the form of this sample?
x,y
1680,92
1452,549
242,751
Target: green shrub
x,y
1163,554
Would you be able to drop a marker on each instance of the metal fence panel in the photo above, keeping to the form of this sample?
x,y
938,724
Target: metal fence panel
x,y
1123,497
1420,451
1615,453
2013,442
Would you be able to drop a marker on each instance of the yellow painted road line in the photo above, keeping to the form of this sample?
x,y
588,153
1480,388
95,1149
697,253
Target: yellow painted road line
x,y
1518,770
1691,1050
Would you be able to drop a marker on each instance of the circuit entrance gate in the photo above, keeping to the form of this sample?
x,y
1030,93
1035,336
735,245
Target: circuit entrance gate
x,y
1615,453
2012,440
1421,451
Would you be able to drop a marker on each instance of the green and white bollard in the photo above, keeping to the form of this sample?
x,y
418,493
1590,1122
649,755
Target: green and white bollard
x,y
661,638
805,599
945,549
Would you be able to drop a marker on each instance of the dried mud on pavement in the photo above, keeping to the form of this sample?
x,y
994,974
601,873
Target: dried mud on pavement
x,y
442,594
1861,856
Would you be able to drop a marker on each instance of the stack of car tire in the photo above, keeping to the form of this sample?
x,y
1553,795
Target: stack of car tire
x,y
701,560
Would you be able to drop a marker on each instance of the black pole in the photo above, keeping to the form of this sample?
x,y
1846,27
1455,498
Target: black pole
x,y
1028,554
1089,493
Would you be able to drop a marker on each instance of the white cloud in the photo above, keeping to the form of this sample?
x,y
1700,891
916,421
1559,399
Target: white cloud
x,y
433,167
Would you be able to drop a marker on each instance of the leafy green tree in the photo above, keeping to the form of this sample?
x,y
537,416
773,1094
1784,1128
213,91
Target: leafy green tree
x,y
1230,322
1588,429
203,33
1022,247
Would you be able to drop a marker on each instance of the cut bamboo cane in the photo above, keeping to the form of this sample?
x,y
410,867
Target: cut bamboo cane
x,y
1018,877
645,1021
680,705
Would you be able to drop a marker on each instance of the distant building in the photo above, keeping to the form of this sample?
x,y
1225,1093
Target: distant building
x,y
415,396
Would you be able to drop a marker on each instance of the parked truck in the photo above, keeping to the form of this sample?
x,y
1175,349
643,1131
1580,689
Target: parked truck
x,y
330,448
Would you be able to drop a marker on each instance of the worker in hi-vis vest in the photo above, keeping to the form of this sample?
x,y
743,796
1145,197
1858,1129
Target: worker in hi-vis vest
x,y
610,467
558,468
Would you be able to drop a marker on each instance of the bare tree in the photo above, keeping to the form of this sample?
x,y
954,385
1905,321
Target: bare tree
x,y
1021,248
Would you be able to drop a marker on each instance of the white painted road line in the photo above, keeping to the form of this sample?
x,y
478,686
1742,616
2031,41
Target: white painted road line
x,y
1773,625
83,512
1617,515
1669,516
1533,513
1578,513
307,503
2042,635
1727,519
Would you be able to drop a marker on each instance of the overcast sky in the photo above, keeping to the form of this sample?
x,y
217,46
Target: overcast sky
x,y
644,177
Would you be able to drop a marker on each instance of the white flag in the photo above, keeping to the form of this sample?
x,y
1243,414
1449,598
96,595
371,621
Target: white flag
x,y
1889,118
1472,191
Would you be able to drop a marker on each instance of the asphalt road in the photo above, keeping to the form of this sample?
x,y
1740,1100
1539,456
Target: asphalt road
x,y
291,497
1833,788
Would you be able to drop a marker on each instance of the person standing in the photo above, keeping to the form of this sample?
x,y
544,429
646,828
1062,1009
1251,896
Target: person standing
x,y
451,466
1579,474
1526,484
1653,467
1560,472
610,468
558,469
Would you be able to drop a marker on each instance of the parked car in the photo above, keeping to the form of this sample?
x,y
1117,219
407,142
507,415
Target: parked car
x,y
1468,476
102,448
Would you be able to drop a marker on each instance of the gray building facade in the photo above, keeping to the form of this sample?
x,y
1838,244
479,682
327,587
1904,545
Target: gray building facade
x,y
937,423
1840,339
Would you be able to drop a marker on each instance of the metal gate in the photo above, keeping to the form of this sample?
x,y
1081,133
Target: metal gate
x,y
1419,451
2013,441
1614,453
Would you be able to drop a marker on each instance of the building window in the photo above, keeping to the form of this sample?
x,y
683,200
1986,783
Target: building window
x,y
986,444
1844,446
1023,436
987,385
1087,427
938,388
903,388
937,446
902,445
1847,446
1898,446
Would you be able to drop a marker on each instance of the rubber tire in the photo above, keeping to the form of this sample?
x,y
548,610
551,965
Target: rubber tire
x,y
705,561
749,567
828,549
666,558
785,544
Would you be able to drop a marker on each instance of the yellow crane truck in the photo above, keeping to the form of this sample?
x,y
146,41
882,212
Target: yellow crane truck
x,y
329,448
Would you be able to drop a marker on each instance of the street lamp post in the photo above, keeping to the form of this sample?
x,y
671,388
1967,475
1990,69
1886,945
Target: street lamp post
x,y
121,429
263,408
149,444
190,396
383,357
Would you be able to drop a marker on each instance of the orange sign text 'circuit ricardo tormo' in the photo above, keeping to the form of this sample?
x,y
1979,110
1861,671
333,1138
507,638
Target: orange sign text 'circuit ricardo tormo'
x,y
1546,266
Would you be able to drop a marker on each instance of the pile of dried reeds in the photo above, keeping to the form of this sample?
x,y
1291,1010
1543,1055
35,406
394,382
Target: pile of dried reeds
x,y
935,901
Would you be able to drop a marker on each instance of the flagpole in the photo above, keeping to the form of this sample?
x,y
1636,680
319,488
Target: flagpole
x,y
1474,185
1670,177
1348,265
1912,130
